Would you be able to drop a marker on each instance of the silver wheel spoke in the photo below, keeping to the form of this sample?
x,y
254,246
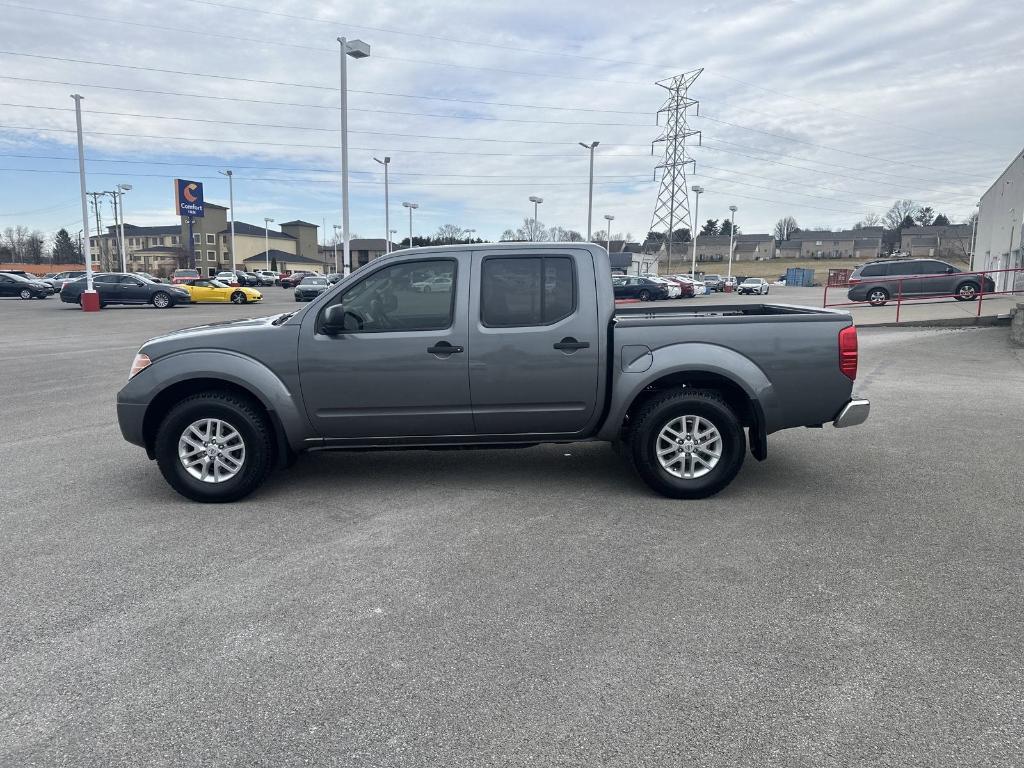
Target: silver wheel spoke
x,y
689,446
211,450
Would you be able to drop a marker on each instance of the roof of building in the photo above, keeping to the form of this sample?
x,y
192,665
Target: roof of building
x,y
867,242
845,234
740,238
241,228
360,244
299,223
287,258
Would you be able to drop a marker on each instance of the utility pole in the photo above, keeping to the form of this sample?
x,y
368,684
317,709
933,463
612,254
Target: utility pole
x,y
697,191
387,221
87,253
231,202
590,196
608,234
673,206
336,228
536,202
99,227
266,239
732,235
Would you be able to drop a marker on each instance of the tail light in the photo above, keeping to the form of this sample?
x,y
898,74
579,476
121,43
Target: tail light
x,y
848,352
853,280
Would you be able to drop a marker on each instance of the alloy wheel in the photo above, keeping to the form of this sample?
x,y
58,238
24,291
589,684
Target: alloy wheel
x,y
689,447
211,450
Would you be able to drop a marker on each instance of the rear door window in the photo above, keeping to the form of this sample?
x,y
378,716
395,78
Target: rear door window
x,y
873,270
527,291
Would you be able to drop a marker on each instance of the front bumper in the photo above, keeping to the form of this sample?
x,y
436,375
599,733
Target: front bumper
x,y
854,412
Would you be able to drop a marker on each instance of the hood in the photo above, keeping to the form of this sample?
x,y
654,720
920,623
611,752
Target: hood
x,y
219,335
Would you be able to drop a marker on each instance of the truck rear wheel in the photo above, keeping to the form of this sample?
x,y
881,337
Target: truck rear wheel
x,y
215,447
687,444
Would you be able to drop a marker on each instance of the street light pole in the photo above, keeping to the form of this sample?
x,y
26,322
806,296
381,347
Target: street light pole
x,y
411,207
590,195
698,191
87,251
387,221
336,228
608,234
231,202
732,234
536,201
266,240
357,49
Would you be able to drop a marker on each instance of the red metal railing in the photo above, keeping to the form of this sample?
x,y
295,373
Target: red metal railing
x,y
1012,279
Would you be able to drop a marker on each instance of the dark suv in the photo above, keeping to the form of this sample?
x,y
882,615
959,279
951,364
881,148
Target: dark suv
x,y
879,281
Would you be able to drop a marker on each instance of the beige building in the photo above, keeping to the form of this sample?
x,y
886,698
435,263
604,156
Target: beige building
x,y
949,242
863,244
362,250
715,248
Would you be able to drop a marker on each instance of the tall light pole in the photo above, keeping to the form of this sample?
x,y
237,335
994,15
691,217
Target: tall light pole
x,y
357,49
267,221
231,202
732,234
336,228
119,196
536,201
387,221
412,207
698,191
590,196
609,218
390,238
87,251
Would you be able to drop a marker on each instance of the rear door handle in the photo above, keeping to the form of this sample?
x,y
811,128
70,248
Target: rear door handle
x,y
444,348
569,344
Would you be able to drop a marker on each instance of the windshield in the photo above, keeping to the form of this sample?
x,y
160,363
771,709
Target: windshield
x,y
15,277
186,273
315,281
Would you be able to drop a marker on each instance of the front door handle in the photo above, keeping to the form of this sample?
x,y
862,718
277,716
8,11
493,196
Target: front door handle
x,y
444,348
569,344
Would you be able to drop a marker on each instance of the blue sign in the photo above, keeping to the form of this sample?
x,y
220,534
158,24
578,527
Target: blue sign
x,y
188,197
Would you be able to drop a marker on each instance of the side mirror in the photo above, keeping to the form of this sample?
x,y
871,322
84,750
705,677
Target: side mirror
x,y
333,321
950,270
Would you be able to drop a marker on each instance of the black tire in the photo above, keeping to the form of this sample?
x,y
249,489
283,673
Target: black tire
x,y
967,291
238,297
661,411
161,300
877,297
644,295
245,417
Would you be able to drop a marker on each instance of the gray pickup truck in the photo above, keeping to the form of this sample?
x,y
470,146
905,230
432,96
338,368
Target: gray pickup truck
x,y
520,344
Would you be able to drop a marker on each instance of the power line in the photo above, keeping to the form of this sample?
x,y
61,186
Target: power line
x,y
265,41
833,149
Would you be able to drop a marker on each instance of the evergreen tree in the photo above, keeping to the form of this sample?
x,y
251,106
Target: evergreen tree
x,y
64,250
710,228
940,221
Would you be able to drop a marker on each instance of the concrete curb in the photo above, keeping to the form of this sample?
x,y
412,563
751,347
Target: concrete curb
x,y
945,322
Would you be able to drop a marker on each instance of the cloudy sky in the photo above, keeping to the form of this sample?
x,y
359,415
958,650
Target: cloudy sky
x,y
820,110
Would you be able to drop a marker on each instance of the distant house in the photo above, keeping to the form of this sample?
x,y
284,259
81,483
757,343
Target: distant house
x,y
863,244
714,248
951,241
362,250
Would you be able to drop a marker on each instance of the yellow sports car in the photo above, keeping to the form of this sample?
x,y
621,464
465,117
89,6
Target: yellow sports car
x,y
208,290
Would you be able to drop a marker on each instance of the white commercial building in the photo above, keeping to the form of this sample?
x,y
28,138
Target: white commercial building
x,y
1001,227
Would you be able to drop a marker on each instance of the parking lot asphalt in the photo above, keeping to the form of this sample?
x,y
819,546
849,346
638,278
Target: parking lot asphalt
x,y
856,599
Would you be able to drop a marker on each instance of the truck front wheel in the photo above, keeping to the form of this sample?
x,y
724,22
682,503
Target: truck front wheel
x,y
687,444
215,447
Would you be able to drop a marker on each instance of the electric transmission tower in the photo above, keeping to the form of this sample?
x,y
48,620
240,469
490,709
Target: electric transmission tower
x,y
672,210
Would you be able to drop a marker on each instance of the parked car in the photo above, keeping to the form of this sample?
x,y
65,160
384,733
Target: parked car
x,y
674,291
642,288
879,281
311,287
150,277
184,276
435,284
335,277
126,288
696,284
714,283
228,278
526,348
293,279
12,284
268,277
753,285
685,289
58,279
209,291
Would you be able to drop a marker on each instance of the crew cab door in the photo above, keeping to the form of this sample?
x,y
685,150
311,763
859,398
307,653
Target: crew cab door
x,y
534,341
401,368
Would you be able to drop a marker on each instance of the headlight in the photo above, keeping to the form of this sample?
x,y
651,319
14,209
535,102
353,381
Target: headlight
x,y
140,363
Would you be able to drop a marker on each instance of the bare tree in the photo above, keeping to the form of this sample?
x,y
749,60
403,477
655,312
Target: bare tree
x,y
899,211
508,234
785,228
562,235
532,230
450,233
871,219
